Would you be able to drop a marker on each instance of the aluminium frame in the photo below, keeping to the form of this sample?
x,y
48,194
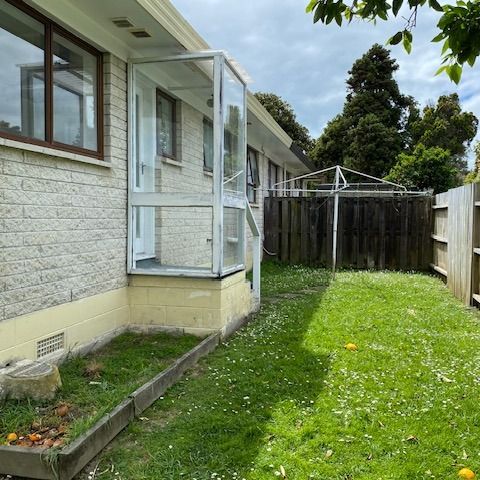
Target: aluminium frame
x,y
218,200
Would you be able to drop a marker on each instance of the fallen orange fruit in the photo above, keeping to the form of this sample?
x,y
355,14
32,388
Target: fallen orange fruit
x,y
34,437
466,473
12,437
351,347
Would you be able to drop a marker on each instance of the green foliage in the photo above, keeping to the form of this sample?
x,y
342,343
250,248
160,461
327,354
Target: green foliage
x,y
474,175
284,115
372,129
285,392
459,25
329,148
444,125
372,146
425,169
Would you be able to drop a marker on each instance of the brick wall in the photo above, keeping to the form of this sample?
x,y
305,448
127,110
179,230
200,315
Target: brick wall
x,y
63,222
184,235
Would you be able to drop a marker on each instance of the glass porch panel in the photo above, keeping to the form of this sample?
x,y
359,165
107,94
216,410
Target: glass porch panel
x,y
233,238
172,103
234,157
173,238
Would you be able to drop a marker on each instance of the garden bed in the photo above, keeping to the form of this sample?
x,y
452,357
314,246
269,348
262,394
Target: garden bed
x,y
101,394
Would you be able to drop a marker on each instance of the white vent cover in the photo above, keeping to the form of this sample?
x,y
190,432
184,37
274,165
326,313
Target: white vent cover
x,y
50,345
140,33
122,22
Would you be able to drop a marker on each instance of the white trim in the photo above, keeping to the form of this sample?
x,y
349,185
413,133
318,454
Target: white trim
x,y
146,199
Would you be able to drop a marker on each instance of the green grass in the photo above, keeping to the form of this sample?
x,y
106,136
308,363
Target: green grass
x,y
284,392
128,361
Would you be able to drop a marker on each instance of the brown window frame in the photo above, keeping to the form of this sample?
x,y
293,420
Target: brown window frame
x,y
161,94
51,28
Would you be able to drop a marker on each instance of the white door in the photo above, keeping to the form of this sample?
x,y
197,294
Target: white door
x,y
145,151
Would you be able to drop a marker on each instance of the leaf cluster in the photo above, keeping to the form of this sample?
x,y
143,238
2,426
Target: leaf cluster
x,y
459,25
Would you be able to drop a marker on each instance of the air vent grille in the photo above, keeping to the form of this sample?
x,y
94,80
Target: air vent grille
x,y
50,345
122,22
140,33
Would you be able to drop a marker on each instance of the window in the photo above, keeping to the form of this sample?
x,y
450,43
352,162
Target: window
x,y
207,145
273,178
288,185
166,125
253,179
50,83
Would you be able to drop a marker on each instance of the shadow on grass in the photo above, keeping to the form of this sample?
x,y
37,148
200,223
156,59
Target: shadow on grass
x,y
219,418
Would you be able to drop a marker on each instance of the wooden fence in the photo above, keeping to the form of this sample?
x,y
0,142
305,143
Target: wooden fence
x,y
373,232
456,241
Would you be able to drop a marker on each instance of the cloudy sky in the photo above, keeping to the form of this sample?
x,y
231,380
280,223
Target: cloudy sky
x,y
283,52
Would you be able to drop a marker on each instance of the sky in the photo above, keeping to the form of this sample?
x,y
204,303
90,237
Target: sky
x,y
283,52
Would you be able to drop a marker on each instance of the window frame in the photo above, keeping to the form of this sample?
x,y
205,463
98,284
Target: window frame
x,y
206,168
250,173
52,27
159,93
273,168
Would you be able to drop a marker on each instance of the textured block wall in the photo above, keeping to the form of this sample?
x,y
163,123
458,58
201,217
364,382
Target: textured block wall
x,y
63,223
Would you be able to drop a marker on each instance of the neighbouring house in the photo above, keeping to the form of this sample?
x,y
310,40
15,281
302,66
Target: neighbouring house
x,y
128,150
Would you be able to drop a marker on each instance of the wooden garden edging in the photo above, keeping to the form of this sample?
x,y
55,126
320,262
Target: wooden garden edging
x,y
48,464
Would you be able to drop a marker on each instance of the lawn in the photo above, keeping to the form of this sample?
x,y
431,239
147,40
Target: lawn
x,y
93,385
284,398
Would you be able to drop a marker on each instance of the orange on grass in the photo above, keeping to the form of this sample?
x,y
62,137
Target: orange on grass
x,y
466,474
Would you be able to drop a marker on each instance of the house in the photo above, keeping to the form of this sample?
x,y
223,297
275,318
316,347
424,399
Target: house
x,y
124,175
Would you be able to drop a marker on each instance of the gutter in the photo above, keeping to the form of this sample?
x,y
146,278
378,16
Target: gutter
x,y
305,159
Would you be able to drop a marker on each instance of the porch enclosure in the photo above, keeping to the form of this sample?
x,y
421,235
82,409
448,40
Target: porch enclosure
x,y
374,232
456,241
187,199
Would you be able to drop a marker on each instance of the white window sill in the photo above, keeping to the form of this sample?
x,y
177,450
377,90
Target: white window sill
x,y
255,205
53,152
208,173
170,161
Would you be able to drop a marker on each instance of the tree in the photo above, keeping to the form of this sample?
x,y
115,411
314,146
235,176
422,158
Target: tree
x,y
372,129
329,148
425,169
444,125
459,25
284,115
474,175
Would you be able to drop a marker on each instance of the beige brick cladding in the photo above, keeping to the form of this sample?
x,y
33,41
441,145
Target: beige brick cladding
x,y
62,222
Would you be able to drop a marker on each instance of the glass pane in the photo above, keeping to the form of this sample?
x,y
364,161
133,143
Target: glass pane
x,y
208,144
22,74
165,125
234,135
233,231
191,85
173,238
74,95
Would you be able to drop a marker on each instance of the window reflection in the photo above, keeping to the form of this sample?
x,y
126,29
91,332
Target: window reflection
x,y
22,73
74,93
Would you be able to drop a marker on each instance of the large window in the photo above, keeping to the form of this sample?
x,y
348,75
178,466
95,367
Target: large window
x,y
50,83
166,125
253,178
